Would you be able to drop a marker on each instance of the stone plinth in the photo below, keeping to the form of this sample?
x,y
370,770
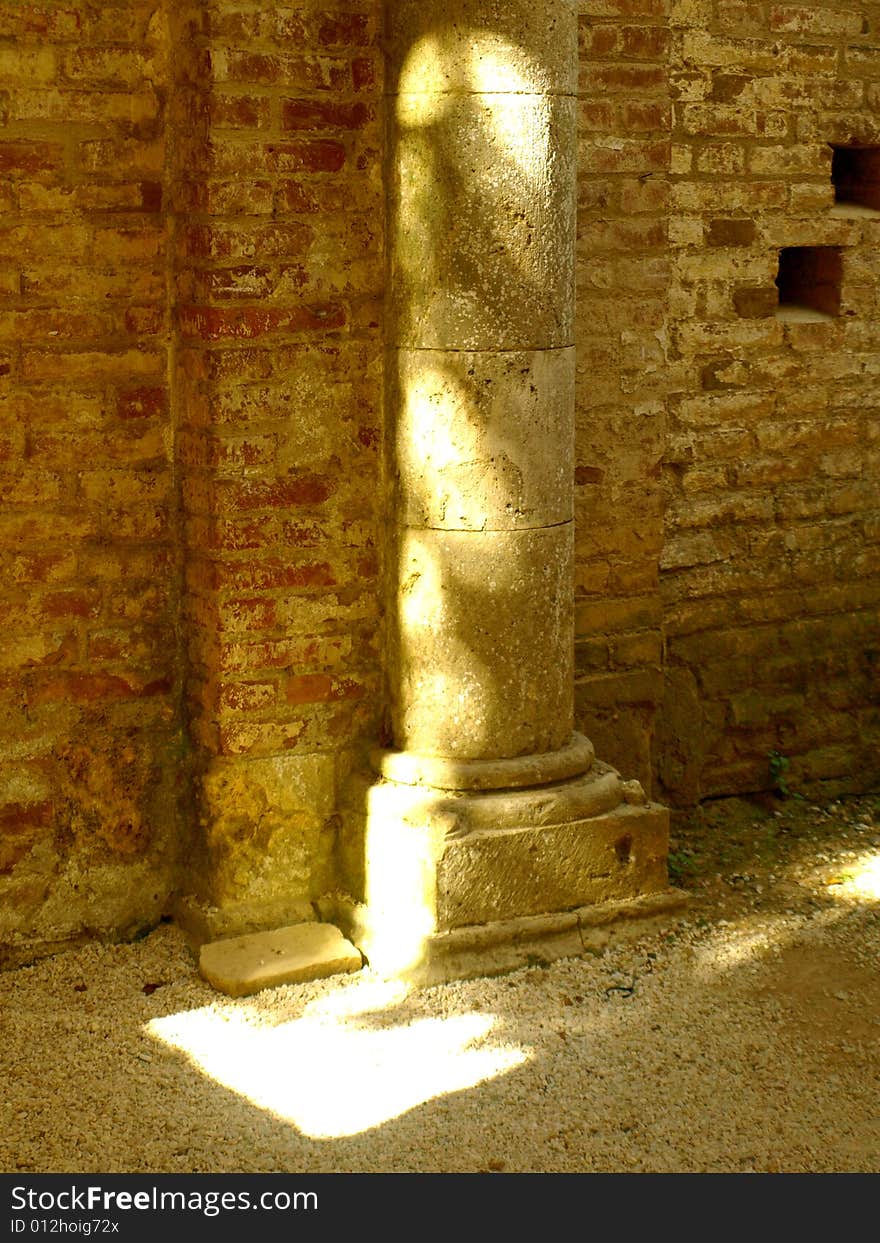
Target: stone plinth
x,y
430,868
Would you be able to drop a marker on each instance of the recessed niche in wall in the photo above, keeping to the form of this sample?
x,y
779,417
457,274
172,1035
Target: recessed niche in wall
x,y
809,282
855,175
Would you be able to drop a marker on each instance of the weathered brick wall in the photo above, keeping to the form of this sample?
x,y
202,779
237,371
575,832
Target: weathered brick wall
x,y
771,564
193,209
623,275
191,368
278,285
87,656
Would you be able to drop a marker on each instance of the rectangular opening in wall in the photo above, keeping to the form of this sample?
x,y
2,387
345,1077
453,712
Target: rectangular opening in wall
x,y
809,282
855,174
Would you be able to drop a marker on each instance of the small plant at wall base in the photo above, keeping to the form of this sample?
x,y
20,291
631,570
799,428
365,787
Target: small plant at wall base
x,y
779,765
681,865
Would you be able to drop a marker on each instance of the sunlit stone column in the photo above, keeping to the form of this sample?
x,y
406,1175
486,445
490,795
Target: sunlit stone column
x,y
490,824
482,149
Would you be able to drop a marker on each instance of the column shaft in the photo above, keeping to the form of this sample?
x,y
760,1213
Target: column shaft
x,y
482,148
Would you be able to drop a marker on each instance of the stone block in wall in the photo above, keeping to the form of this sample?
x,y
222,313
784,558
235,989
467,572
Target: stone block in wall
x,y
268,835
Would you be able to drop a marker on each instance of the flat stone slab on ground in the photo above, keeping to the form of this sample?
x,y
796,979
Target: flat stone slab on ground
x,y
241,965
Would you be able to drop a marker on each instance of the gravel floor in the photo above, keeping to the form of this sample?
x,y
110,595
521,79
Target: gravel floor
x,y
742,1037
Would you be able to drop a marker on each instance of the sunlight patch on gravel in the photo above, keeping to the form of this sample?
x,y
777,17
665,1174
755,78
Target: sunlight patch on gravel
x,y
741,1037
330,1076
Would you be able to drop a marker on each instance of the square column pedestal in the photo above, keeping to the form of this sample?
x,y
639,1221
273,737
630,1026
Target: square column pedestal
x,y
452,884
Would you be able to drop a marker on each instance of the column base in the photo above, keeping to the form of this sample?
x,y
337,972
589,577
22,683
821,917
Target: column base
x,y
435,875
443,773
501,946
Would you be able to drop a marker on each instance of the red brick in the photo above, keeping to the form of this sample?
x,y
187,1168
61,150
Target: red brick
x,y
731,232
319,155
17,817
344,30
627,156
644,42
41,22
109,367
133,644
93,687
598,41
307,653
41,567
250,615
73,603
271,573
30,157
142,403
239,111
312,114
215,323
106,67
247,696
321,688
151,195
239,241
303,488
322,73
52,105
625,77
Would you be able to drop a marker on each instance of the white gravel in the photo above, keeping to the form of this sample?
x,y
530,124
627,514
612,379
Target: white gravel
x,y
744,1037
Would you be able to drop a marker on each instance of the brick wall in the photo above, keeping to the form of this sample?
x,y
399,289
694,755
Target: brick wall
x,y
190,361
622,289
278,286
191,345
771,564
87,658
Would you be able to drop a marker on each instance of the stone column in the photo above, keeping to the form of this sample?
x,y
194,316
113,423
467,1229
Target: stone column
x,y
482,147
490,808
